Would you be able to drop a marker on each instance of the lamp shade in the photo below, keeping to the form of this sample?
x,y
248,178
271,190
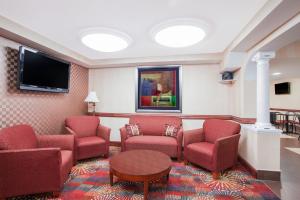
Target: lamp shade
x,y
92,97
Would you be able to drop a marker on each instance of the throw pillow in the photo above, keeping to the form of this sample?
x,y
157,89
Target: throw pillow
x,y
171,130
132,129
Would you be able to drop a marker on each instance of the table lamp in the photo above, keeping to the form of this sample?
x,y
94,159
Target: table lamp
x,y
93,99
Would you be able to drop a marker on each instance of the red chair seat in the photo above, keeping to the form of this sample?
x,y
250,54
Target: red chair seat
x,y
165,144
202,150
90,146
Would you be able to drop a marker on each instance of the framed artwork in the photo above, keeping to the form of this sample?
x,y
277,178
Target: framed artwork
x,y
158,89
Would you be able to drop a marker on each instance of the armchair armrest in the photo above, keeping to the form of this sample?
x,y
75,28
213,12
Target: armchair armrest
x,y
64,142
123,134
71,132
104,132
179,143
193,136
225,152
25,171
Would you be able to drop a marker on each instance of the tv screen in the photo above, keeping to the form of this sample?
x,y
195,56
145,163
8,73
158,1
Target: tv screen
x,y
282,88
41,72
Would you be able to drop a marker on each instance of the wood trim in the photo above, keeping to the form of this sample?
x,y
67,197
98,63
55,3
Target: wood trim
x,y
284,109
248,167
115,143
244,120
182,116
260,174
268,175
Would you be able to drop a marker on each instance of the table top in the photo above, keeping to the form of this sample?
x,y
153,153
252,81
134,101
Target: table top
x,y
140,162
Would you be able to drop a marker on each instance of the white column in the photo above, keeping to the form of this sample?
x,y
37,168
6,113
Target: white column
x,y
263,86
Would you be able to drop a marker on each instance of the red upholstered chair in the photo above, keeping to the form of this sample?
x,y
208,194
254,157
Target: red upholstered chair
x,y
91,138
32,163
214,147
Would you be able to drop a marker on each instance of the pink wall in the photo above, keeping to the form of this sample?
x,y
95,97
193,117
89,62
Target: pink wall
x,y
44,111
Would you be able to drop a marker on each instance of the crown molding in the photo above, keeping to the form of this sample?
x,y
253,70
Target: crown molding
x,y
211,58
20,34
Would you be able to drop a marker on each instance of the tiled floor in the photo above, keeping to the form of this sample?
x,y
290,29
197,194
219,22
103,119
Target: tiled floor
x,y
289,187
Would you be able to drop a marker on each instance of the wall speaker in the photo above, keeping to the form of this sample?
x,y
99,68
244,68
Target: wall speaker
x,y
227,76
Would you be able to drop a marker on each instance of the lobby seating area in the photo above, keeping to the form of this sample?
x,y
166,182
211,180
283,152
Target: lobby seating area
x,y
39,164
149,100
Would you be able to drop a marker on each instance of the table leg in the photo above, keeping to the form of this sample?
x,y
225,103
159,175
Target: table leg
x,y
146,189
111,178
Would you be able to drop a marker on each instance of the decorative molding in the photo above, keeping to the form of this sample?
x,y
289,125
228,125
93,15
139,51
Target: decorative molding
x,y
244,120
260,174
182,116
268,175
248,167
191,59
115,143
284,109
20,34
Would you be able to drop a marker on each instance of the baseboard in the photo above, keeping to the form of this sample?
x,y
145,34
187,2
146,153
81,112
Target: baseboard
x,y
115,143
260,174
268,175
249,167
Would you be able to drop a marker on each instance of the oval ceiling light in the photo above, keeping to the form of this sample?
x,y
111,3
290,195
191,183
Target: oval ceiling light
x,y
180,36
105,40
180,33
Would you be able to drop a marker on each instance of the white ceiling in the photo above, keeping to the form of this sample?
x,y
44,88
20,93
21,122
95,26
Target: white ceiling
x,y
62,20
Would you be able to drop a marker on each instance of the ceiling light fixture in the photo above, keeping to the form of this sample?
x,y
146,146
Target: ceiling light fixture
x,y
276,74
180,33
105,40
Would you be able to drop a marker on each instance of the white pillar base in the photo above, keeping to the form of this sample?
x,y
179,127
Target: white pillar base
x,y
264,126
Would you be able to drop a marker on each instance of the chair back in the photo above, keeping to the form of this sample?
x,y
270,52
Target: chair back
x,y
216,128
18,137
83,126
154,125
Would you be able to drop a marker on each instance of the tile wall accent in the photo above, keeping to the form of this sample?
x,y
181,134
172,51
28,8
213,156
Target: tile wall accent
x,y
44,111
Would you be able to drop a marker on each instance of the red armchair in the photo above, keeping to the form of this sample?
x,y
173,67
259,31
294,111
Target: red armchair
x,y
33,164
214,147
91,138
152,137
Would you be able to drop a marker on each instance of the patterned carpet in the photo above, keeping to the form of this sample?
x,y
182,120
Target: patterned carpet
x,y
90,180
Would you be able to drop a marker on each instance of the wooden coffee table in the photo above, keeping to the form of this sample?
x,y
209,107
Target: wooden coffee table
x,y
140,166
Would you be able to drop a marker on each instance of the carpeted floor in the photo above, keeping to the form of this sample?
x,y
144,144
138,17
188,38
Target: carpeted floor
x,y
89,179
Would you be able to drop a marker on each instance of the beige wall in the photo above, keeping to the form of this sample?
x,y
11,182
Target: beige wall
x,y
288,101
201,93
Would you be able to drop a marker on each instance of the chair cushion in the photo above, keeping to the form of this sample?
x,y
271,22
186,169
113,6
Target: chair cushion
x,y
90,147
201,151
216,128
154,125
18,137
165,144
66,164
83,126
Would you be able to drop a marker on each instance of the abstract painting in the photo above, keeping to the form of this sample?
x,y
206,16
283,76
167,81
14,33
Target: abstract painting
x,y
158,89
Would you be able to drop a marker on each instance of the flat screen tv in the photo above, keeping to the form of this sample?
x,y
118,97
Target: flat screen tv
x,y
282,88
41,72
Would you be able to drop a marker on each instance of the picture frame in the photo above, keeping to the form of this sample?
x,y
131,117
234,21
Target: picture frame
x,y
158,88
